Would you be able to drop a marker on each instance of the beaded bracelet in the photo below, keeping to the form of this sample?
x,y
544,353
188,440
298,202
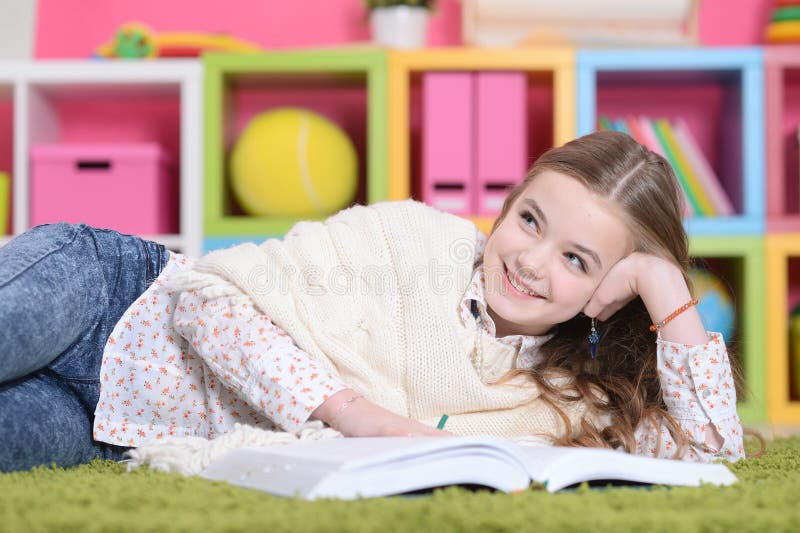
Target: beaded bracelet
x,y
678,311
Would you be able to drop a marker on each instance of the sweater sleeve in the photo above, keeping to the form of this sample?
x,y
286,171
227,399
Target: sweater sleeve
x,y
698,389
253,357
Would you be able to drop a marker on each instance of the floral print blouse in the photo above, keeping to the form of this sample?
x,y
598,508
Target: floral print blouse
x,y
178,364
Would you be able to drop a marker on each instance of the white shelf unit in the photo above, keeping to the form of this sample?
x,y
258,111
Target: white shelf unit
x,y
37,84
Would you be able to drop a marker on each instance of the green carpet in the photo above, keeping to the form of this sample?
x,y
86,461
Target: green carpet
x,y
103,497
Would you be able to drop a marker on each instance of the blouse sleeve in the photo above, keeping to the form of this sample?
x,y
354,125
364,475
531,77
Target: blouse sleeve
x,y
254,357
698,389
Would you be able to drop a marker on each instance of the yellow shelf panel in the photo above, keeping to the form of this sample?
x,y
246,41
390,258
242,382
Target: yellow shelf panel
x,y
483,223
779,248
468,58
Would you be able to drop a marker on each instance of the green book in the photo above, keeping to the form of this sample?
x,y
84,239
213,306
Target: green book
x,y
605,123
658,129
706,208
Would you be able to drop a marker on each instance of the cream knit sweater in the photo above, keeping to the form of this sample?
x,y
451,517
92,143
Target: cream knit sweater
x,y
373,293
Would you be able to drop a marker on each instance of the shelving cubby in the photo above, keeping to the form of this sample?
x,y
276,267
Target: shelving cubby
x,y
550,103
111,101
347,86
718,92
782,295
739,262
782,75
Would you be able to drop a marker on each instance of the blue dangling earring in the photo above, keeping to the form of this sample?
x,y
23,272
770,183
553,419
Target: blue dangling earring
x,y
594,338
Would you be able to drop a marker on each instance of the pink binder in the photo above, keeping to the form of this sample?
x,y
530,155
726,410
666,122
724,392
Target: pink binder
x,y
501,133
448,141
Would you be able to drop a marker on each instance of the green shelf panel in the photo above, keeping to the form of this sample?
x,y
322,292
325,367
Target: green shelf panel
x,y
751,346
261,70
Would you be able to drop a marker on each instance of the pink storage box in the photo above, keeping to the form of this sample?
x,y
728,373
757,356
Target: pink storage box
x,y
121,186
502,138
448,141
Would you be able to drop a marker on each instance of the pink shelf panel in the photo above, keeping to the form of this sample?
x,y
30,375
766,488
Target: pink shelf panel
x,y
782,72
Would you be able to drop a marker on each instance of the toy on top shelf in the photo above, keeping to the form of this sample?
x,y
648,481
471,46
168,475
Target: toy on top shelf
x,y
135,40
293,162
784,24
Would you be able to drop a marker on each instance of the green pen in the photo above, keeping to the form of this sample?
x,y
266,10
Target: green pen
x,y
442,422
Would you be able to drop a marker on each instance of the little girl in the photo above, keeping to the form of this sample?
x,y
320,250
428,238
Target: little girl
x,y
572,323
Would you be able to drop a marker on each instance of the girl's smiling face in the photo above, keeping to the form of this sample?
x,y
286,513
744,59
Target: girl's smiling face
x,y
549,254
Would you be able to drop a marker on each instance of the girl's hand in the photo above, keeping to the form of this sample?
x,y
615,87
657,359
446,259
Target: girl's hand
x,y
662,288
362,418
616,289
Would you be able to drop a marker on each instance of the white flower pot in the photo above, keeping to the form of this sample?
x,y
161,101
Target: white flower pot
x,y
399,26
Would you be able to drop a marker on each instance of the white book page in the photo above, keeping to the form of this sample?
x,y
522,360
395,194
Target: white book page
x,y
366,467
560,467
484,466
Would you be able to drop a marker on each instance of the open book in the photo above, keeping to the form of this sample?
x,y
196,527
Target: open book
x,y
350,468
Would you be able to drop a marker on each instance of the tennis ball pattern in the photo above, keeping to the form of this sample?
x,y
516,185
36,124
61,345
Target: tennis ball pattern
x,y
292,162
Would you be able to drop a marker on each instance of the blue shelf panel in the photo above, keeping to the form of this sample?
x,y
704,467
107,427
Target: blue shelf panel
x,y
671,58
743,66
217,243
736,225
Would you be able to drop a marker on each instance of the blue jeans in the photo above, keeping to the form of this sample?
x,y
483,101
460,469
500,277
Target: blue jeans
x,y
62,290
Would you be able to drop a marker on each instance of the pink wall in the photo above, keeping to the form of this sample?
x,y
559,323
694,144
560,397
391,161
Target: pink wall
x,y
73,28
741,22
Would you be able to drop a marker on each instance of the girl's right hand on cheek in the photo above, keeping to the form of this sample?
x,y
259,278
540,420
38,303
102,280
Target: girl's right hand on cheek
x,y
362,418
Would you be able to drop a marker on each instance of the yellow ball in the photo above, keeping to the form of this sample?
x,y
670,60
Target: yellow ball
x,y
293,162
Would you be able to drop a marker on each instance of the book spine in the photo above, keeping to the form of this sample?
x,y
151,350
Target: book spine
x,y
706,208
647,131
670,156
621,126
705,174
649,134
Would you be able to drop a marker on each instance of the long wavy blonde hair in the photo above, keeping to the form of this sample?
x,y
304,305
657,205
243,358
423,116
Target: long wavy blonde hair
x,y
643,185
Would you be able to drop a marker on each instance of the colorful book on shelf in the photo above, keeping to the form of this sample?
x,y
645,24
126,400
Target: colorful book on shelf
x,y
701,178
673,140
622,125
605,123
354,468
662,132
699,165
641,129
